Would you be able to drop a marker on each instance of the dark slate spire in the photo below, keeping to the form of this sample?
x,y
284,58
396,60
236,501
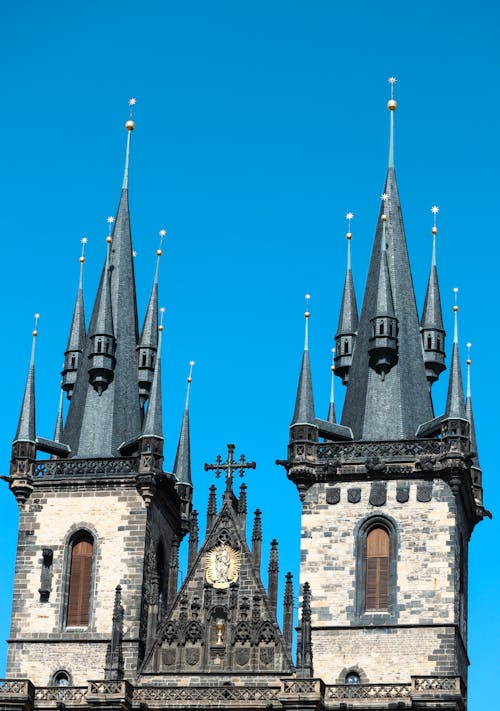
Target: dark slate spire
x,y
304,642
211,507
182,466
102,335
26,426
331,407
455,405
153,422
114,654
432,319
470,414
288,612
257,538
77,335
272,576
148,344
96,424
304,402
345,338
58,430
392,408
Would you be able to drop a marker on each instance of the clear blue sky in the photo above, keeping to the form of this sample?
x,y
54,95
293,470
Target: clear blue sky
x,y
259,125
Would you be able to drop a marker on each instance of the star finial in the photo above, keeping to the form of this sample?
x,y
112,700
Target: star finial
x,y
384,197
190,376
132,102
110,220
332,367
435,210
35,327
162,234
83,242
469,346
134,253
392,81
306,313
349,216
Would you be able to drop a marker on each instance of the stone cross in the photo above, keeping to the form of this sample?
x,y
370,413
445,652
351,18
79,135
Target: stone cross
x,y
229,466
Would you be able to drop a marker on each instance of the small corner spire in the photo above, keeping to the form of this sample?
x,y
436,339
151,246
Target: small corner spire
x,y
432,330
455,405
148,342
77,334
130,126
58,430
469,362
182,465
331,408
26,428
392,106
470,416
345,338
153,422
304,402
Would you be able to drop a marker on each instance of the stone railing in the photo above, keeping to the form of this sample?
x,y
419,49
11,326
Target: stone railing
x,y
56,468
403,450
432,685
205,694
61,694
368,691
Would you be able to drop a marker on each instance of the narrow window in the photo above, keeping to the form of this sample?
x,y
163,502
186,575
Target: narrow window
x,y
438,343
377,569
73,361
80,581
390,329
381,328
346,346
429,342
143,359
99,345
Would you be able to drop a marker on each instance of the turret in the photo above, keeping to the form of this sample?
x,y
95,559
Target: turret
x,y
24,444
347,328
76,338
383,343
331,417
455,426
102,336
148,344
182,465
431,326
303,426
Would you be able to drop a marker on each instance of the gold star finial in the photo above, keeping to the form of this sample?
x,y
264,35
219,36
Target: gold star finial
x,y
134,253
391,104
130,124
469,346
190,376
83,242
435,210
162,313
455,294
162,234
306,313
332,367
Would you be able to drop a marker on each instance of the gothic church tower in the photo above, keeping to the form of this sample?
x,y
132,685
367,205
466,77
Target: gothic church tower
x,y
100,521
390,496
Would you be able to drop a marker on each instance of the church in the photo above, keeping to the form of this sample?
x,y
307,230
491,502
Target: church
x,y
390,494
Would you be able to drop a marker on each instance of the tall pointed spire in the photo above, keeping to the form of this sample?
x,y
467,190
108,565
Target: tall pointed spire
x,y
455,405
304,402
469,412
392,106
118,405
58,430
345,338
432,329
148,343
393,407
129,125
77,335
331,407
26,427
153,422
182,466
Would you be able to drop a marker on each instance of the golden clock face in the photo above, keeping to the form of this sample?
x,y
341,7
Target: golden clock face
x,y
222,566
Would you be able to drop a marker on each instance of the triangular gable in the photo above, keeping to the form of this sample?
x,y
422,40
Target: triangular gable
x,y
221,620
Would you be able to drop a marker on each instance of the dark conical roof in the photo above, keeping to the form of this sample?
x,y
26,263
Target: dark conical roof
x,y
455,405
97,424
182,465
26,426
385,305
348,317
149,334
76,338
153,422
304,402
394,407
58,430
432,316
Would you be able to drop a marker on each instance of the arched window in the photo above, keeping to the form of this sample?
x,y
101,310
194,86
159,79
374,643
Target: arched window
x,y
80,578
377,569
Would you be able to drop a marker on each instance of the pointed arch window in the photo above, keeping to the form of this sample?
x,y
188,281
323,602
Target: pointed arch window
x,y
80,580
377,569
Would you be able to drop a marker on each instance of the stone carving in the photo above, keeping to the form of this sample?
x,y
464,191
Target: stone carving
x,y
222,565
333,495
354,496
266,655
242,656
424,492
375,464
402,493
192,656
378,493
168,657
426,462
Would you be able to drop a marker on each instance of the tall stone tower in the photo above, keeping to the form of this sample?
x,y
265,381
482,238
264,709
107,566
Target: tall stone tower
x,y
99,519
390,496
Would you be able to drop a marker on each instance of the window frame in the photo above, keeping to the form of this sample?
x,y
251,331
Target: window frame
x,y
382,616
74,536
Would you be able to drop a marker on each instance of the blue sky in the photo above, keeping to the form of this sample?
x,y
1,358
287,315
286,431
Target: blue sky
x,y
259,125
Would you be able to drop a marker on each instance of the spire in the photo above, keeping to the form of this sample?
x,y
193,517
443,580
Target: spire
x,y
59,421
433,333
182,466
148,343
345,338
272,573
470,414
304,402
102,335
257,538
392,106
129,125
97,424
288,612
331,408
77,335
26,427
455,406
391,408
153,422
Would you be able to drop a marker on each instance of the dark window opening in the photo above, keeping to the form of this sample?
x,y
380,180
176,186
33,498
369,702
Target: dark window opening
x,y
381,328
429,342
352,678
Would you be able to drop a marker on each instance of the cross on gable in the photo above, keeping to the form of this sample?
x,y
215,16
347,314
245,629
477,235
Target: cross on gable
x,y
229,466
